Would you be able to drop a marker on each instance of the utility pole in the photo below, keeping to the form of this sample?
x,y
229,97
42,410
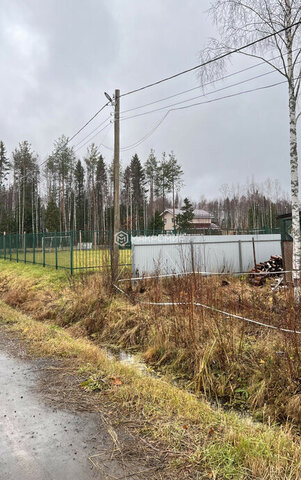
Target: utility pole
x,y
115,259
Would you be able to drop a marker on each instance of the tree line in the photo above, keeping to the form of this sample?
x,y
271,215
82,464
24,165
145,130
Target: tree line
x,y
250,206
70,193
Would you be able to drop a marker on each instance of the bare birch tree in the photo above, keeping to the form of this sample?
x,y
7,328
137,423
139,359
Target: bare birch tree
x,y
242,21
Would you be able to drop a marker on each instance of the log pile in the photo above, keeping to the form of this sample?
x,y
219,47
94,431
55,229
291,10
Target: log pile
x,y
257,276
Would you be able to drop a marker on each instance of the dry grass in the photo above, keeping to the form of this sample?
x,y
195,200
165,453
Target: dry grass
x,y
207,443
227,361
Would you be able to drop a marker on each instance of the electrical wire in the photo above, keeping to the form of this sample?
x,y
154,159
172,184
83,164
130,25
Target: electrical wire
x,y
203,64
220,57
141,140
89,121
129,147
88,141
205,94
206,102
98,126
207,83
104,137
73,136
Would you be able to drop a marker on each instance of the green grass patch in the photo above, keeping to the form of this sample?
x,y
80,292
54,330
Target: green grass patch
x,y
41,276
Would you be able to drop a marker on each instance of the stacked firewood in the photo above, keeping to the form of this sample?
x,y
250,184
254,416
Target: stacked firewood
x,y
257,276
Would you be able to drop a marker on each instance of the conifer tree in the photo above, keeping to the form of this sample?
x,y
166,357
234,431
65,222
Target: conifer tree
x,y
184,219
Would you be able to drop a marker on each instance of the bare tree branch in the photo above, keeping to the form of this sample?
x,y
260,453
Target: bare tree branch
x,y
264,60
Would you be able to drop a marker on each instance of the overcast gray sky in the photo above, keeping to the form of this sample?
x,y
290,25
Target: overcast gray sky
x,y
58,57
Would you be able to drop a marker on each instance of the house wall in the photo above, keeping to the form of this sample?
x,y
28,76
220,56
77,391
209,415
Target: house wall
x,y
203,221
168,224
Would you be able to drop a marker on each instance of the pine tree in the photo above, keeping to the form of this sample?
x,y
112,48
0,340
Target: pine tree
x,y
4,169
184,219
163,184
91,160
52,216
156,224
137,179
25,185
175,174
151,173
101,191
79,196
4,164
61,165
127,197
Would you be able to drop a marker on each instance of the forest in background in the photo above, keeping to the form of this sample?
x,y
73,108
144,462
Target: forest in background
x,y
70,193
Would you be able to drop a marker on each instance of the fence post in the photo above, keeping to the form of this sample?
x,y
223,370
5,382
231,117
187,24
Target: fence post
x,y
33,248
55,246
240,256
71,252
43,248
254,254
4,245
17,246
9,242
24,235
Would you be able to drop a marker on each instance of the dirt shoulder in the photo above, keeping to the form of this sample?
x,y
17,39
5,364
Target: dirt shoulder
x,y
52,428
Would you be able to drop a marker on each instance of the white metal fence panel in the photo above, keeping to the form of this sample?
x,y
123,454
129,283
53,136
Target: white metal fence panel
x,y
206,253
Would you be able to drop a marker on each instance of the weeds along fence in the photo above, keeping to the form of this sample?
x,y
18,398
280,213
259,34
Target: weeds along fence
x,y
205,253
73,251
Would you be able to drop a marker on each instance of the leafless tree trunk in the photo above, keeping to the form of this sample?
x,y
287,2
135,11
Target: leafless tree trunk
x,y
241,22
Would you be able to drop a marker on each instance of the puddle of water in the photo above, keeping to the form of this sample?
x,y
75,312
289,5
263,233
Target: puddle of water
x,y
133,360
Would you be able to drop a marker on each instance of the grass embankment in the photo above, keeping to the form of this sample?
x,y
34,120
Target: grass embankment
x,y
227,361
224,359
206,443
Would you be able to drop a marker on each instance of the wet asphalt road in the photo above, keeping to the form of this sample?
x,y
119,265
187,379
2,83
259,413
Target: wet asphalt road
x,y
38,442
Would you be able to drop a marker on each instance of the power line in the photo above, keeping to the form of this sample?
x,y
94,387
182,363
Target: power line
x,y
89,134
231,95
128,147
103,138
220,57
205,102
178,103
89,121
141,140
88,141
177,75
73,136
96,128
204,94
207,83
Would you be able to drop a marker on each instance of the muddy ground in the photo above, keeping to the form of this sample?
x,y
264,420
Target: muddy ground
x,y
51,429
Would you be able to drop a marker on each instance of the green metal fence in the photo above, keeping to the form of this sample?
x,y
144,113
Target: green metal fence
x,y
74,250
84,250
